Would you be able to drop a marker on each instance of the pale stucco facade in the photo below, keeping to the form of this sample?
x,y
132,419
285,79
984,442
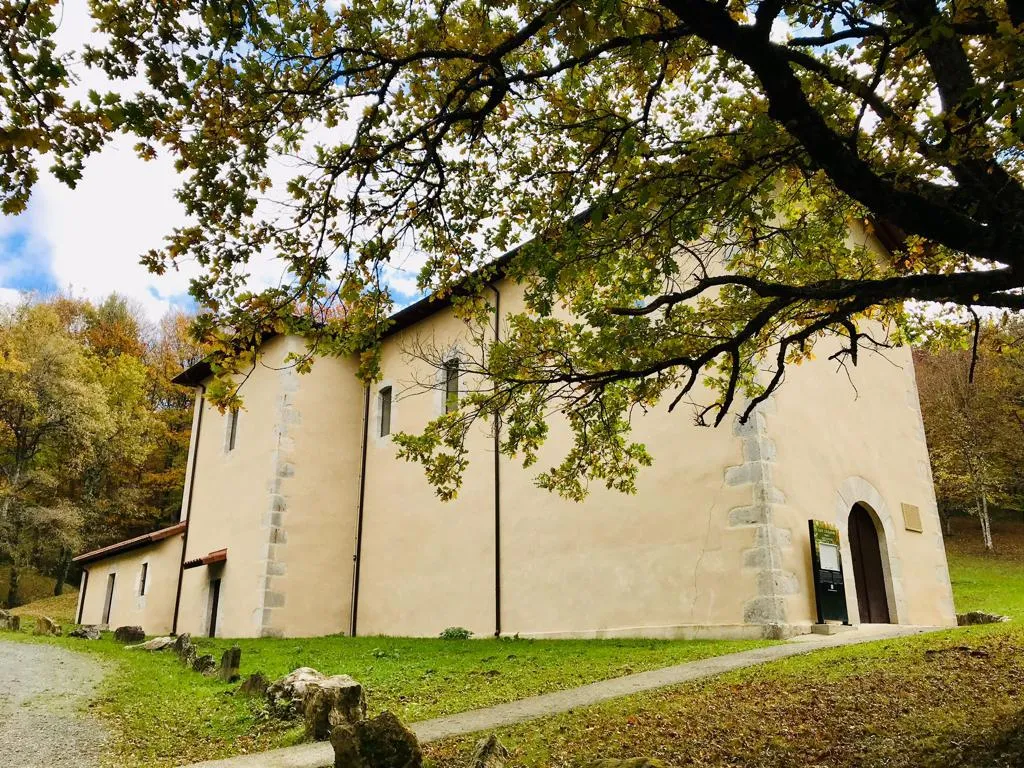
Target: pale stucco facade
x,y
134,588
327,533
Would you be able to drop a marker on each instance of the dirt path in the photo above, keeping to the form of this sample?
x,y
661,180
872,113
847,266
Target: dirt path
x,y
43,690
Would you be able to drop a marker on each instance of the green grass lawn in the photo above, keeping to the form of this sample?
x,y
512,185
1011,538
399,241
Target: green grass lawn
x,y
916,701
988,582
943,699
164,715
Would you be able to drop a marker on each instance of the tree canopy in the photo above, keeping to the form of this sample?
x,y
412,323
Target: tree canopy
x,y
93,436
686,174
972,401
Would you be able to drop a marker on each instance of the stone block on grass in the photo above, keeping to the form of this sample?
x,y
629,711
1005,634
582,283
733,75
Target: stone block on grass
x,y
47,627
87,632
129,635
330,702
229,664
9,622
380,742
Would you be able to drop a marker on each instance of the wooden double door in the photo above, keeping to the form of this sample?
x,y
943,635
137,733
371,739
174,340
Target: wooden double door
x,y
868,574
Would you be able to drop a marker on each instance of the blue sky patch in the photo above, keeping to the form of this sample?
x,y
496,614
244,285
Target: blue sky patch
x,y
24,266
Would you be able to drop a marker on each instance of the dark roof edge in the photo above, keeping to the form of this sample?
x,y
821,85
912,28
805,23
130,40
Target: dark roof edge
x,y
130,544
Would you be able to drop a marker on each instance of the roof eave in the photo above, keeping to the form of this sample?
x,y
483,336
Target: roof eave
x,y
129,545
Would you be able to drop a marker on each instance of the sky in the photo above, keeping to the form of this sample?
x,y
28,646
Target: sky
x,y
87,241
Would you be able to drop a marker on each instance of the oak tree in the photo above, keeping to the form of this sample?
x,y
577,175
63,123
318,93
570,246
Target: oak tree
x,y
685,173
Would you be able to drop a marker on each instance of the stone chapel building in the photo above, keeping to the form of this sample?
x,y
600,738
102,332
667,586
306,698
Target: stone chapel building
x,y
297,519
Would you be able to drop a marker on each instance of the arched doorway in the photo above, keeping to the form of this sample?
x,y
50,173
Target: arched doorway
x,y
868,574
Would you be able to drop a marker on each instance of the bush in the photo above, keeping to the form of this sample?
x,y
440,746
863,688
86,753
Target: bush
x,y
456,633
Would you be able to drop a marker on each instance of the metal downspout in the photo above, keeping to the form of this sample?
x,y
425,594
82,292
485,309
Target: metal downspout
x,y
497,481
188,505
357,555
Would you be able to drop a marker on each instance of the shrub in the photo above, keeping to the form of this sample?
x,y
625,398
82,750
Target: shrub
x,y
456,633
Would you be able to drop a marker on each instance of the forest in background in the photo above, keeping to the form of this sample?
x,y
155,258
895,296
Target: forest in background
x,y
972,400
93,434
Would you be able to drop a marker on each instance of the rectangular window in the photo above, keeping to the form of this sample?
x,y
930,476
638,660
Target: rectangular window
x,y
214,606
385,411
451,385
142,581
108,600
232,428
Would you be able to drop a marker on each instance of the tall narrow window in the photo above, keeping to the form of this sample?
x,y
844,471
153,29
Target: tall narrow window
x,y
142,580
451,385
385,411
232,428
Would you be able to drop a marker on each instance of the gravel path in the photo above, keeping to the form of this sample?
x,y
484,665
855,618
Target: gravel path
x,y
43,690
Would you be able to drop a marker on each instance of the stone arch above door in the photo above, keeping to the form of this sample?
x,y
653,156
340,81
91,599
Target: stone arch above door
x,y
857,490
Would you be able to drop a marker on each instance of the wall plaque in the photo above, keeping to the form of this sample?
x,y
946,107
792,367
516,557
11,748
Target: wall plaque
x,y
912,518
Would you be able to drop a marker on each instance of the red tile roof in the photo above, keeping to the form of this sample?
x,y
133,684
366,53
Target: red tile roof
x,y
126,546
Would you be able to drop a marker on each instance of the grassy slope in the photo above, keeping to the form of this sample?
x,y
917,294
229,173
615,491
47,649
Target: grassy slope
x,y
952,698
61,608
33,586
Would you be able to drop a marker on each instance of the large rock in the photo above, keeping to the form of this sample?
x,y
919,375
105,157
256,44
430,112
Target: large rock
x,y
129,635
88,632
979,617
156,644
336,700
229,664
205,664
9,621
183,646
287,695
381,742
186,650
47,626
489,753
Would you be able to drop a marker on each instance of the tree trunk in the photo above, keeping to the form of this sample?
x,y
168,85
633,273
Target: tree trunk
x,y
986,525
63,566
13,593
5,502
946,521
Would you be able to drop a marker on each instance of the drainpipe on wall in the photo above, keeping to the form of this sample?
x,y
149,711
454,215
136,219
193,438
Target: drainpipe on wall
x,y
497,480
200,394
357,555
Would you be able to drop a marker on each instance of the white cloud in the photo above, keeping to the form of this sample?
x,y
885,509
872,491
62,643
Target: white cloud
x,y
9,296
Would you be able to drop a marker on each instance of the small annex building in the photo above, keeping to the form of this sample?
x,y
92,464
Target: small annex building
x,y
297,518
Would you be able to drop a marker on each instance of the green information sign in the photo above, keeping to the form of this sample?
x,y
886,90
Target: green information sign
x,y
827,565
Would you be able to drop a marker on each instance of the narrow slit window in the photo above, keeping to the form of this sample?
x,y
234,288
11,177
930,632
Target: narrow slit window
x,y
385,411
451,385
232,428
143,578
